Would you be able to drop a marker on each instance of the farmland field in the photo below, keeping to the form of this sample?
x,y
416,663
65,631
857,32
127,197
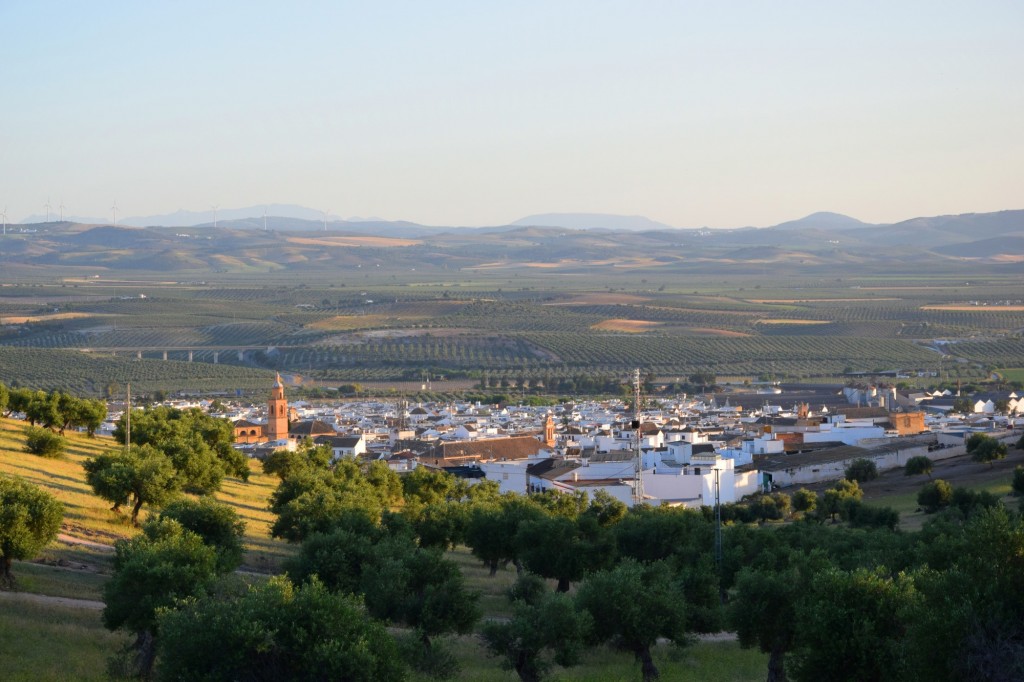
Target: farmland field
x,y
392,309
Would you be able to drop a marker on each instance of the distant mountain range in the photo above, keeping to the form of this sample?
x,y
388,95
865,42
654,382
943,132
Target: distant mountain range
x,y
292,217
819,245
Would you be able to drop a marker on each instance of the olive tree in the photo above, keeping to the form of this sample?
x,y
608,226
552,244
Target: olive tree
x,y
142,474
984,448
862,470
276,631
152,571
217,524
43,442
918,465
634,605
29,520
546,628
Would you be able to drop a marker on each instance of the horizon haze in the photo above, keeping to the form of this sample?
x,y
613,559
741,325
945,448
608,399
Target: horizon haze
x,y
461,114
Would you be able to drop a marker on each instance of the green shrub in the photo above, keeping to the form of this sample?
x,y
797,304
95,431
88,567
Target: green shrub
x,y
862,470
43,442
935,495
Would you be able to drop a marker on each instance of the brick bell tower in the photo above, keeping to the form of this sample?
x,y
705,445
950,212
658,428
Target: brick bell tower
x,y
549,432
277,412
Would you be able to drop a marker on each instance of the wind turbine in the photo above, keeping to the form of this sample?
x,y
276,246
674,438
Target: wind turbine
x,y
326,213
215,215
114,209
5,221
264,218
47,209
62,211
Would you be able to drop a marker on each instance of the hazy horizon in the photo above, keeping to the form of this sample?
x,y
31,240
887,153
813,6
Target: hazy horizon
x,y
453,113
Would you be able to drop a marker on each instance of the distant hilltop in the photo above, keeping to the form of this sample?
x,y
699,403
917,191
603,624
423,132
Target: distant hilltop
x,y
295,218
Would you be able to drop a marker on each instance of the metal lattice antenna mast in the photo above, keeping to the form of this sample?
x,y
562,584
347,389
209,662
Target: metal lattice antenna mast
x,y
638,482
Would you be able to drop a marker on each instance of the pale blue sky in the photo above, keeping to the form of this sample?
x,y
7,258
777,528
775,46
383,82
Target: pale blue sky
x,y
475,113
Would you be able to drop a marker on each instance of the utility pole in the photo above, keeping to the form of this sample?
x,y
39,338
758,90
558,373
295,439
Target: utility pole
x,y
128,421
638,466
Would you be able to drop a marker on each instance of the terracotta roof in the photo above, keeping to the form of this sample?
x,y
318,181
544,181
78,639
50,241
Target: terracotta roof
x,y
311,428
338,441
513,447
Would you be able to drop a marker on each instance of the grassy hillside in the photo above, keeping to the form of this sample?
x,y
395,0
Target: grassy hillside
x,y
89,519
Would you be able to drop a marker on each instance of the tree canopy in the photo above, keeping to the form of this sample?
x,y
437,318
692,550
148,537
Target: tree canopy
x,y
198,445
545,629
29,520
918,465
153,571
275,631
985,448
217,524
142,474
633,605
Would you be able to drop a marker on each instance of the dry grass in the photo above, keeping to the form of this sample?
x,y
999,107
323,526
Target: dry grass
x,y
48,642
792,321
250,500
22,319
628,326
87,517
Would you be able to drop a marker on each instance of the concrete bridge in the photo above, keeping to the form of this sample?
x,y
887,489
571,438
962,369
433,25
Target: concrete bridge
x,y
182,352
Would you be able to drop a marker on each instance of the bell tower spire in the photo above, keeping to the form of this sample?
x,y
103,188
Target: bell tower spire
x,y
277,412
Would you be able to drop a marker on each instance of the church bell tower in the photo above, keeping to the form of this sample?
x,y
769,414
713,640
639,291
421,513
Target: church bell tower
x,y
277,413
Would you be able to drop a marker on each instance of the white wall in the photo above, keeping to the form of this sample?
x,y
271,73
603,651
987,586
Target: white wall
x,y
511,476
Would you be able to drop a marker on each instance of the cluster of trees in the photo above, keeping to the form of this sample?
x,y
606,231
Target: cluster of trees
x,y
56,410
49,415
651,574
171,451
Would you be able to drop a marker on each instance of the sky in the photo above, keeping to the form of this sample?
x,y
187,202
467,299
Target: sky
x,y
720,114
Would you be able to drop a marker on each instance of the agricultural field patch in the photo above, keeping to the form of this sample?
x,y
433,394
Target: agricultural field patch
x,y
792,321
353,240
823,299
601,298
1012,374
340,323
705,331
977,308
627,326
25,319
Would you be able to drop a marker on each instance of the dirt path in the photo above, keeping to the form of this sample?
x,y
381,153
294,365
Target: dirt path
x,y
67,539
55,601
